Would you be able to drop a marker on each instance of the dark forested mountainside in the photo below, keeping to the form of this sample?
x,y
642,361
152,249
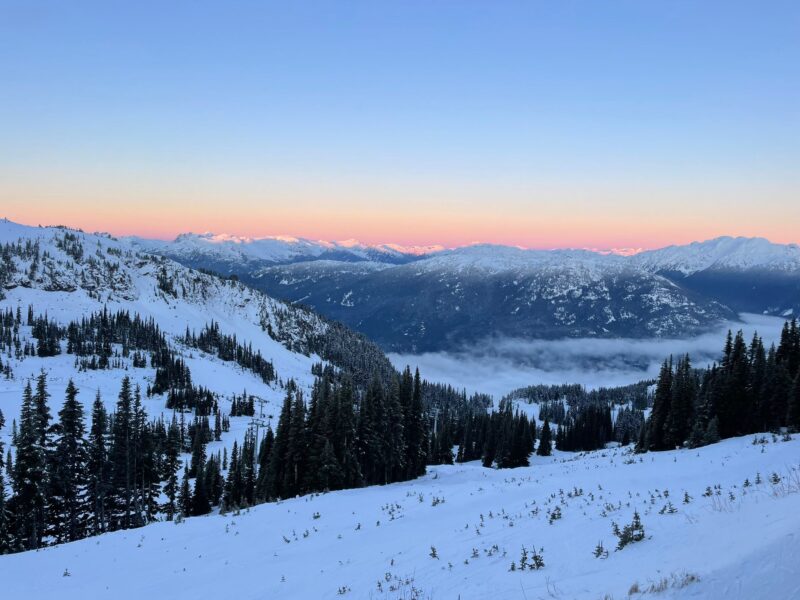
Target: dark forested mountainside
x,y
448,299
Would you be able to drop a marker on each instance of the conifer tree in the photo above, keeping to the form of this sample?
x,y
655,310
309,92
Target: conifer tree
x,y
712,432
98,468
5,524
330,473
232,496
185,494
295,449
264,452
30,474
545,440
662,402
681,410
278,457
394,443
794,405
171,467
344,438
198,451
200,500
371,429
69,510
122,459
416,431
42,408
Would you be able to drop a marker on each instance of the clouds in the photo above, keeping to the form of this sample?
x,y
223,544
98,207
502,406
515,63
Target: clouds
x,y
499,366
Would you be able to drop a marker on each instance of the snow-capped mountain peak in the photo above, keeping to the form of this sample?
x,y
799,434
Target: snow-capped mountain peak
x,y
732,253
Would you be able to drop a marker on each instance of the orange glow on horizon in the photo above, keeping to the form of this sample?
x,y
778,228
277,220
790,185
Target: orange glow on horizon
x,y
448,230
421,215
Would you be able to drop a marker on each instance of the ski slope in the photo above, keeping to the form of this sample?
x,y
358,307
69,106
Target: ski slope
x,y
739,543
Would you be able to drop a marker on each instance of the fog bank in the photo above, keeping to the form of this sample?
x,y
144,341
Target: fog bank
x,y
500,365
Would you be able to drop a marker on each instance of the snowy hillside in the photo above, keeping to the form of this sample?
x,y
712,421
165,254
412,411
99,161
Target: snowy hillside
x,y
719,522
67,275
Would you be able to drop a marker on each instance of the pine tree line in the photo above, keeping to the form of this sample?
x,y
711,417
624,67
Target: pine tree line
x,y
751,390
339,439
573,395
587,428
68,483
225,347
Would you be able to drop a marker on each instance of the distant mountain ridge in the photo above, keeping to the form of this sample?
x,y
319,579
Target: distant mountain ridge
x,y
432,299
230,249
438,299
719,253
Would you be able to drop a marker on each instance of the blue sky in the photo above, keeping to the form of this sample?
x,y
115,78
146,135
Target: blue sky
x,y
287,114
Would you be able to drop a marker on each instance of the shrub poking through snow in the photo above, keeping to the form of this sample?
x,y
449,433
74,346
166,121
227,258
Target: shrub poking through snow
x,y
531,560
600,551
633,532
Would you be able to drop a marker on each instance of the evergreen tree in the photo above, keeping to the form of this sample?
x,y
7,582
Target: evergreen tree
x,y
296,448
545,440
5,520
330,473
42,409
234,484
69,510
682,401
371,429
394,443
198,451
344,437
712,432
98,468
734,412
29,502
262,481
171,466
794,405
200,500
122,459
416,431
278,457
662,402
185,494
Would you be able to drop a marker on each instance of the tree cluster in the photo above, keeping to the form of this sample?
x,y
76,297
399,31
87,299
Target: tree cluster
x,y
750,390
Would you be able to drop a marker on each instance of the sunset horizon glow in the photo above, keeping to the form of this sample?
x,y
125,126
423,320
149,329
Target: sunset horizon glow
x,y
411,245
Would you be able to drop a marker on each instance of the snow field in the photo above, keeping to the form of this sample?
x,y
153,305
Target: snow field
x,y
377,542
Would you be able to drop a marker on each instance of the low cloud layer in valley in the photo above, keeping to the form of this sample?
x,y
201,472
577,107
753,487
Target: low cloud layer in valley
x,y
499,366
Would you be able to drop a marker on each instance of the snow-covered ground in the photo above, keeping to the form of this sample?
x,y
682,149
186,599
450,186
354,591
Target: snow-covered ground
x,y
741,542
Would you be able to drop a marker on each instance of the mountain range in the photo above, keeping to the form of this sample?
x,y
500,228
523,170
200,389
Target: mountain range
x,y
431,298
62,291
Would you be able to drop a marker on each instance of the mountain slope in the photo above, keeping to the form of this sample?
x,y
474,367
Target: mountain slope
x,y
746,274
739,541
68,275
723,253
462,296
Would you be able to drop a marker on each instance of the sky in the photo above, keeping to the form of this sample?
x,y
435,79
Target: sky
x,y
539,124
